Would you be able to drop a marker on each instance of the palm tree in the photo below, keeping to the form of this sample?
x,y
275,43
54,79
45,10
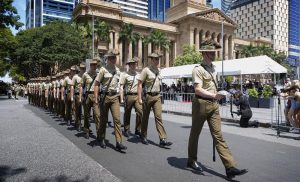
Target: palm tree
x,y
102,31
249,51
127,36
159,40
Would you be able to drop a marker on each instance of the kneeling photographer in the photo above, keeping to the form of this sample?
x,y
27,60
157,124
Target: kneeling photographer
x,y
245,111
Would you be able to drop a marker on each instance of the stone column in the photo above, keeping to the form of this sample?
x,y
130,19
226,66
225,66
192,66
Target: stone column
x,y
174,50
111,43
203,36
149,52
130,51
225,47
191,36
140,49
197,39
118,47
167,61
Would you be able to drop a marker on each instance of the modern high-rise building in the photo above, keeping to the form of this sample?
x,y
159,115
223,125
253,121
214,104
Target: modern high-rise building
x,y
263,18
157,9
40,12
133,7
294,31
226,5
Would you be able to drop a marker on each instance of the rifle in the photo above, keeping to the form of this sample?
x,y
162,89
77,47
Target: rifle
x,y
102,98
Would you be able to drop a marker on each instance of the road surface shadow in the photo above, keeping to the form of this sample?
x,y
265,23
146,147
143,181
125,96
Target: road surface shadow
x,y
7,171
60,178
180,163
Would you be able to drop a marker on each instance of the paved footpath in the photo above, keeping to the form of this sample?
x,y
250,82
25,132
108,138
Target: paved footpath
x,y
38,147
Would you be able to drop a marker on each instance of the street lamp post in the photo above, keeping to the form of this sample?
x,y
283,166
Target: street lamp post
x,y
92,27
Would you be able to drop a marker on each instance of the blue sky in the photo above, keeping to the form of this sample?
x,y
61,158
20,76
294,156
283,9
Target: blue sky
x,y
21,7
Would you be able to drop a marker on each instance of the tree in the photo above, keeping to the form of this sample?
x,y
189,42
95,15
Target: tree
x,y
159,39
126,36
38,49
189,56
85,31
8,15
8,43
102,30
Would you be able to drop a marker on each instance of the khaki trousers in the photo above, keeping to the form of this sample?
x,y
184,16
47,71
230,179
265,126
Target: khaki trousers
x,y
203,110
62,108
130,102
77,112
90,103
111,103
68,104
153,102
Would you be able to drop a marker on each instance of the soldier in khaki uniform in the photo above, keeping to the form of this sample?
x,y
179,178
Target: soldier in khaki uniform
x,y
150,77
62,96
43,95
108,77
52,89
57,83
76,90
68,99
47,92
129,81
205,107
88,79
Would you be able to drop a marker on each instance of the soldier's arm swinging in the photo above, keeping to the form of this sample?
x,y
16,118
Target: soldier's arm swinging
x,y
96,90
122,93
204,93
72,92
139,91
80,92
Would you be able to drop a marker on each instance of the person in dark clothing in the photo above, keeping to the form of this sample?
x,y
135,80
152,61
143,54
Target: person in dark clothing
x,y
245,110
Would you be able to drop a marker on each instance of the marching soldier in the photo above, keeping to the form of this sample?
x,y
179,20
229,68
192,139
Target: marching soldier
x,y
68,99
28,87
58,94
62,96
43,90
108,77
52,89
205,107
88,79
76,90
150,77
47,93
129,81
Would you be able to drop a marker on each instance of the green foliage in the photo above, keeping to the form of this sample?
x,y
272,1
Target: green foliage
x,y
8,15
253,92
159,39
189,56
39,48
279,57
102,31
126,33
229,79
8,43
267,91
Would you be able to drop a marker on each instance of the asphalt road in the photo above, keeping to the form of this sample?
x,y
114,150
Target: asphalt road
x,y
266,161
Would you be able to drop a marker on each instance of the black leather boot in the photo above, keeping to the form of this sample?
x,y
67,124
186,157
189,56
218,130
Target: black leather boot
x,y
194,165
120,146
164,142
102,143
232,172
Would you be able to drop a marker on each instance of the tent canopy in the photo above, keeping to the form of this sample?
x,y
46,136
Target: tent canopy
x,y
244,66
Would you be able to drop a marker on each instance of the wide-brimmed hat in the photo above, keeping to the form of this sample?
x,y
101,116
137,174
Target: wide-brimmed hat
x,y
67,71
155,55
73,68
95,61
133,60
209,46
82,65
112,53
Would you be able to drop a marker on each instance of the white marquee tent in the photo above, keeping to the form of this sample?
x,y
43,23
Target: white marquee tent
x,y
244,66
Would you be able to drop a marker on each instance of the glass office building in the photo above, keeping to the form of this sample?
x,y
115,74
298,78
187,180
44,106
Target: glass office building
x,y
40,12
294,32
226,5
157,9
133,7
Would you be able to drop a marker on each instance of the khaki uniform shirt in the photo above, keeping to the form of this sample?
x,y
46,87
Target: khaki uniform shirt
x,y
130,81
104,76
67,83
76,82
202,77
28,88
86,81
147,77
